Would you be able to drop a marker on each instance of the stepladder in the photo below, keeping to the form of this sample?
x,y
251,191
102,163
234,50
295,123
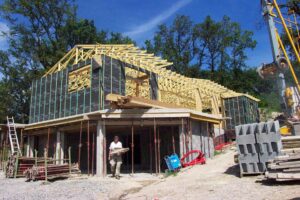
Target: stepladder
x,y
13,136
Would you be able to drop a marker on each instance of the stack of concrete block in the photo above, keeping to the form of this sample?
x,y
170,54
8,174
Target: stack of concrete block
x,y
257,143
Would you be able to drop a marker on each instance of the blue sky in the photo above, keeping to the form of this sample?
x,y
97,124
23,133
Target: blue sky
x,y
139,19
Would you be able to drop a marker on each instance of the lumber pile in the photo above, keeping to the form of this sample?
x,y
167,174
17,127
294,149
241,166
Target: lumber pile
x,y
291,142
284,168
16,166
50,172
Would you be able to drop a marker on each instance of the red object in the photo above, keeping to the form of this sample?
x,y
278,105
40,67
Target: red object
x,y
221,146
200,159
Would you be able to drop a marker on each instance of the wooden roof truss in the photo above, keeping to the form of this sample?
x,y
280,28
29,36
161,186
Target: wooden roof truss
x,y
185,88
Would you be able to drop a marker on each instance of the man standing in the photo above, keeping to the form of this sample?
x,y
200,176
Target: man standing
x,y
115,159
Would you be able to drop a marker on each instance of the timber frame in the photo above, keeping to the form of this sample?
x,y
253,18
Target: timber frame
x,y
196,94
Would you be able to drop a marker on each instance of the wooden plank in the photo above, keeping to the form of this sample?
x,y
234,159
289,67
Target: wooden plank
x,y
290,138
294,176
292,170
289,163
293,150
287,157
137,102
283,166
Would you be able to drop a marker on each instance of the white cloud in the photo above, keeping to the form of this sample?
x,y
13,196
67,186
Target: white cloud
x,y
4,30
152,23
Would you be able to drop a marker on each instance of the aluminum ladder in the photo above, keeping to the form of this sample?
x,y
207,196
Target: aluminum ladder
x,y
13,136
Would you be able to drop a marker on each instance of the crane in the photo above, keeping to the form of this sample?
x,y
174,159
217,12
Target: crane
x,y
277,69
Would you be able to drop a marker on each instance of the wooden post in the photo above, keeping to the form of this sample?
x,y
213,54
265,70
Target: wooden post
x,y
155,147
173,140
80,145
88,147
132,148
93,153
16,165
182,134
158,149
46,164
35,157
70,160
22,142
54,153
127,154
150,147
48,138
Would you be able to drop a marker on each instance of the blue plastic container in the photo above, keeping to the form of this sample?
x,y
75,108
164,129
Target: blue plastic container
x,y
173,162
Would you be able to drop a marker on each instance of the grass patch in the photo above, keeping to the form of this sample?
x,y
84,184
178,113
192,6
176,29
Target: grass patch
x,y
170,173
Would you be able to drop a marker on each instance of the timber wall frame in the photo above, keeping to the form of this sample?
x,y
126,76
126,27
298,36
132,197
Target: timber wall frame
x,y
240,110
166,85
52,99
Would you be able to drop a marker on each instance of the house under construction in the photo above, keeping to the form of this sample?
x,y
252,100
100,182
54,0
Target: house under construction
x,y
97,91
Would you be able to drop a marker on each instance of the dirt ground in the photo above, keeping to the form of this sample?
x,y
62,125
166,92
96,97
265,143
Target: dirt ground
x,y
218,179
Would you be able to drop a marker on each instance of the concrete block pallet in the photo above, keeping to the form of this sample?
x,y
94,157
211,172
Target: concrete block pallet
x,y
257,143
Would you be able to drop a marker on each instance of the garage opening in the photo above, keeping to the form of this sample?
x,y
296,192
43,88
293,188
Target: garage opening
x,y
148,147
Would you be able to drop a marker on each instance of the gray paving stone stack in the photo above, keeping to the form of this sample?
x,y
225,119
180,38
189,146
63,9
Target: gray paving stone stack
x,y
269,140
257,143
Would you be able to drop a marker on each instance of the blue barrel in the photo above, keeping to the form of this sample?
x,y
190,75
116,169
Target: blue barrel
x,y
173,162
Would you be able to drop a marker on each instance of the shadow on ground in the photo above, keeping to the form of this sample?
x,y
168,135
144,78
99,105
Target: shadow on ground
x,y
279,183
233,170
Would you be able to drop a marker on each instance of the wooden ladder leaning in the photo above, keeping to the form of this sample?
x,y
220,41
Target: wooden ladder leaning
x,y
13,136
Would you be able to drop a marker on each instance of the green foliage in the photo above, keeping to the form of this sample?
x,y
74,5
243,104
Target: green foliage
x,y
213,50
174,43
41,32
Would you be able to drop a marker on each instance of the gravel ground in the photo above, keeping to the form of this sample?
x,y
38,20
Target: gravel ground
x,y
218,179
74,188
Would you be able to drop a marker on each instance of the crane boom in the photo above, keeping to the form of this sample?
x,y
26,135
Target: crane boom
x,y
281,62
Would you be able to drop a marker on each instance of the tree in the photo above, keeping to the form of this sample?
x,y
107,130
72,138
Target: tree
x,y
41,32
217,46
174,43
37,29
209,36
221,45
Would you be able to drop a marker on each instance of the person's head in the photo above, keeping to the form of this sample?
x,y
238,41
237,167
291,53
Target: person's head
x,y
116,138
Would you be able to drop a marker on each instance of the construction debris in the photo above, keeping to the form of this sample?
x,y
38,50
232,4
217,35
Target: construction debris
x,y
284,168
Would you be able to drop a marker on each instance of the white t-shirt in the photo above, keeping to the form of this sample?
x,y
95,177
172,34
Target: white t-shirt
x,y
114,145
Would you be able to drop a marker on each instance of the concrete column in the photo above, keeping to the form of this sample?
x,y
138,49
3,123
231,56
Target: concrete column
x,y
30,146
101,149
59,151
